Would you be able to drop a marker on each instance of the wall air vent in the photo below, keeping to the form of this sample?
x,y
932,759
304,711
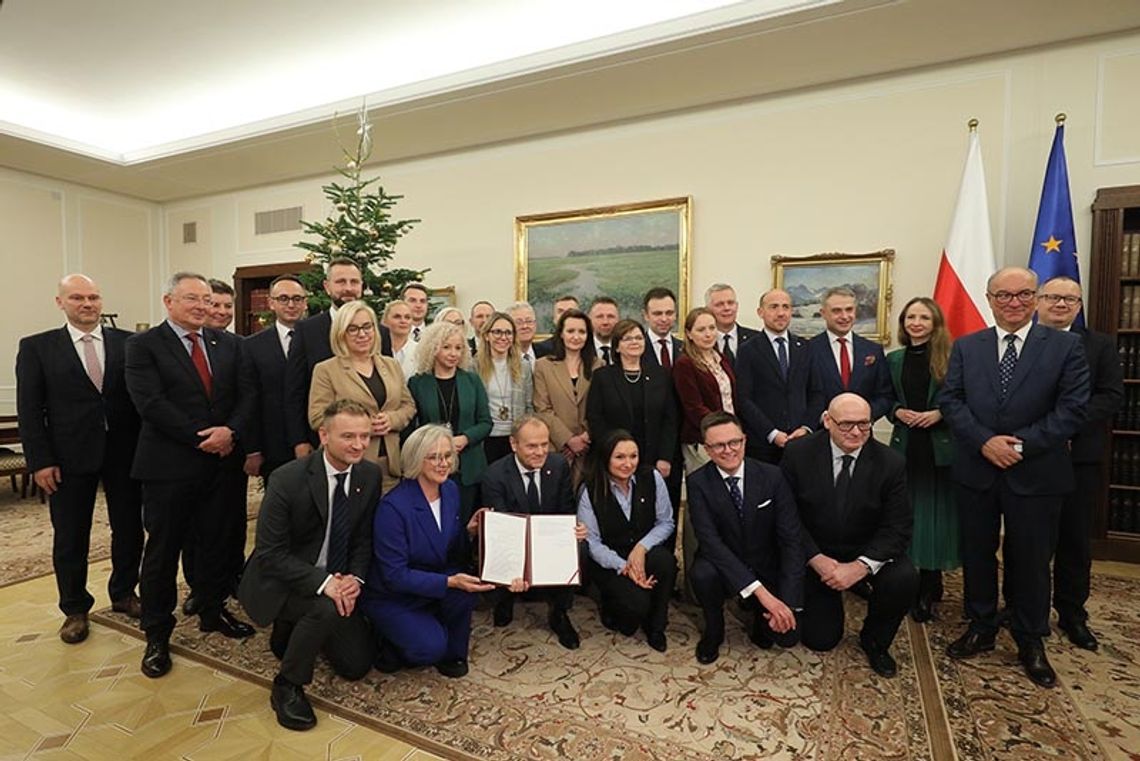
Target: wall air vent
x,y
190,232
277,220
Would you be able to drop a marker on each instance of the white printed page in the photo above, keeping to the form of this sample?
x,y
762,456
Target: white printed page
x,y
553,550
504,547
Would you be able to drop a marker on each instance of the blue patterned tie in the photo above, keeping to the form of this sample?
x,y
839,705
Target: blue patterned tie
x,y
1008,363
338,532
782,355
734,492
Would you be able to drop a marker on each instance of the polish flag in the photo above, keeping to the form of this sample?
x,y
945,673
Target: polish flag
x,y
968,258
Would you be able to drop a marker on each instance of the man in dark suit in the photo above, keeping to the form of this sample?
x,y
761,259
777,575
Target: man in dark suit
x,y
731,336
481,311
535,481
313,546
772,381
185,380
1014,396
267,445
749,538
1058,304
662,348
604,316
562,304
851,492
842,361
79,428
310,345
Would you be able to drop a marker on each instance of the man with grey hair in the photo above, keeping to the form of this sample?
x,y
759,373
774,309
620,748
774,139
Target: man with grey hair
x,y
1014,397
523,315
720,299
79,429
842,361
186,382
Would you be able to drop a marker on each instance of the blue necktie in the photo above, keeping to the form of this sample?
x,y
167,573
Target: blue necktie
x,y
338,533
1008,363
734,492
782,355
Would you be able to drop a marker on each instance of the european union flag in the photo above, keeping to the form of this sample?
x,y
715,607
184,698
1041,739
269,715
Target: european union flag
x,y
1054,250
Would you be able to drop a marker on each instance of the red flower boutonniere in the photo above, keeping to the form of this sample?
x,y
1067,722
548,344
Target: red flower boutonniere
x,y
868,360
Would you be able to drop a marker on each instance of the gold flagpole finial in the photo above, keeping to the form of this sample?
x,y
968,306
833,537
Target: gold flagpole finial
x,y
1060,118
973,125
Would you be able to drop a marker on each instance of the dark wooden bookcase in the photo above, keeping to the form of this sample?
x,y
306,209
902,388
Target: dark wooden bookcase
x,y
1114,308
251,291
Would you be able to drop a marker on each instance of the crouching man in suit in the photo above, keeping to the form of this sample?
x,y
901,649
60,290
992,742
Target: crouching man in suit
x,y
313,545
534,481
749,540
851,491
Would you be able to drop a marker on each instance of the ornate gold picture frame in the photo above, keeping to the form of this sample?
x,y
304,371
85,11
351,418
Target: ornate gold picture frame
x,y
617,251
806,278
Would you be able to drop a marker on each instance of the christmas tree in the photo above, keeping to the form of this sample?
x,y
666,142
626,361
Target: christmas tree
x,y
359,227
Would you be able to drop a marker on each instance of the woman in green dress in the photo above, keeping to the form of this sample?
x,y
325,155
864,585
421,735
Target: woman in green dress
x,y
917,372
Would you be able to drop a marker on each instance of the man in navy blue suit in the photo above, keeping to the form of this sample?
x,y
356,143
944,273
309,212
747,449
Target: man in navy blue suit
x,y
772,381
720,298
844,362
744,516
1014,396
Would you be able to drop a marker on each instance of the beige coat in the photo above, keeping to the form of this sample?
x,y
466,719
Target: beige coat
x,y
336,379
560,404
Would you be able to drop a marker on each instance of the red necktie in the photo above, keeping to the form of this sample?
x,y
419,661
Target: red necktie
x,y
198,357
844,364
665,361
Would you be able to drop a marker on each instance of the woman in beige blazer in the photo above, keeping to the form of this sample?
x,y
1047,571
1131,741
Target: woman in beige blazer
x,y
357,371
561,384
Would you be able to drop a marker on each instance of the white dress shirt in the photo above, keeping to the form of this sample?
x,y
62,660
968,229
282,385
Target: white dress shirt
x,y
1018,343
77,341
284,336
323,557
836,466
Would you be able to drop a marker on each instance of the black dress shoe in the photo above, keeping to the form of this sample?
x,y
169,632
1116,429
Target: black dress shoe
x,y
760,635
561,626
1032,657
388,661
923,610
1079,634
279,638
452,669
609,621
291,706
969,644
504,612
882,663
156,659
190,607
656,641
707,652
225,623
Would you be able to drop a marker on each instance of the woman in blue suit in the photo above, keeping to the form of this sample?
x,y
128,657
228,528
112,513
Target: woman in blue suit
x,y
416,595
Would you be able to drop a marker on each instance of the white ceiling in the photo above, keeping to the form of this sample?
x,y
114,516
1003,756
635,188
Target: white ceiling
x,y
165,100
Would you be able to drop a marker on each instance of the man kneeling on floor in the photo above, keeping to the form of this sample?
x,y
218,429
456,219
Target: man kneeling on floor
x,y
852,498
313,546
749,540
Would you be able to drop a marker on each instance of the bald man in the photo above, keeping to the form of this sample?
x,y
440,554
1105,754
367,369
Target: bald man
x,y
79,429
852,497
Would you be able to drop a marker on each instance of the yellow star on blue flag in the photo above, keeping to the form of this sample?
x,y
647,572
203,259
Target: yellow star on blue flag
x,y
1054,231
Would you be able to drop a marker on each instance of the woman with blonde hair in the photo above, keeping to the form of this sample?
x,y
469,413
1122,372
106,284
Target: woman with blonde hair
x,y
358,371
917,371
704,381
508,380
446,392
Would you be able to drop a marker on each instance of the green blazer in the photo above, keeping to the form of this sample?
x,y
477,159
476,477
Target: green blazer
x,y
474,418
940,437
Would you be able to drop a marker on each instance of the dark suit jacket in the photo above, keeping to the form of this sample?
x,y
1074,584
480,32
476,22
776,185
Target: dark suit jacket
x,y
1044,407
769,401
766,543
474,417
744,335
543,348
941,441
698,395
265,374
503,487
1106,395
309,346
870,378
173,403
411,556
652,355
877,519
64,420
291,528
609,406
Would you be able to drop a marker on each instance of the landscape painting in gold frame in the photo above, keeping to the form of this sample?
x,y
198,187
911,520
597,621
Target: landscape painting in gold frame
x,y
807,278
